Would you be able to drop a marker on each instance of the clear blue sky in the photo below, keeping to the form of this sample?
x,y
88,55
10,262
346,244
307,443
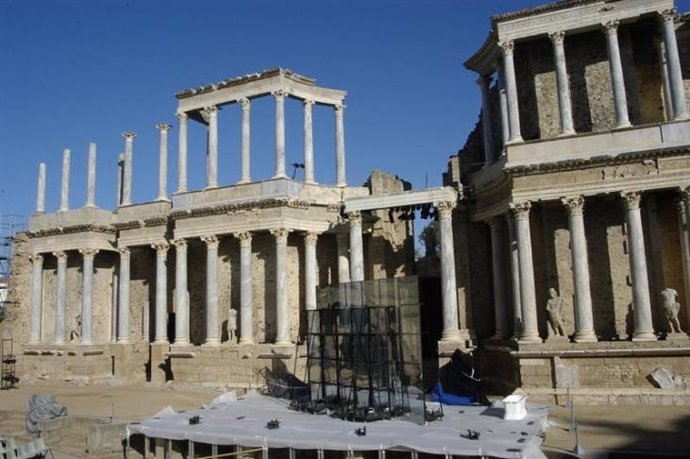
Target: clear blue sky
x,y
75,72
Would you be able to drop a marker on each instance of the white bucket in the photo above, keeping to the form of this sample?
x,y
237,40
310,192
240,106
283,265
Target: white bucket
x,y
514,407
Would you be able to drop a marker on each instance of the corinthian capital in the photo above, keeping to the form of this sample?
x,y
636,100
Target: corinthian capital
x,y
36,258
61,255
668,15
124,252
279,95
507,46
280,234
308,103
310,238
245,103
684,193
180,244
88,253
631,199
444,209
355,218
211,110
163,127
129,135
210,241
557,37
575,204
182,117
520,210
611,27
161,247
245,238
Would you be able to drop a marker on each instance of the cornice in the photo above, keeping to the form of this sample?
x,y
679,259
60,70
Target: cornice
x,y
244,206
71,230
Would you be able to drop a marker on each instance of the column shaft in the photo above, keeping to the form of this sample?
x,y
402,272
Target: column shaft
x,y
451,331
212,322
212,153
163,129
64,190
282,307
665,82
161,335
617,80
498,270
246,294
356,248
511,91
340,146
182,153
565,109
503,104
123,310
120,178
127,172
36,298
342,246
684,230
181,294
310,277
675,74
246,131
515,277
91,177
530,331
60,297
484,81
41,192
280,133
87,296
308,142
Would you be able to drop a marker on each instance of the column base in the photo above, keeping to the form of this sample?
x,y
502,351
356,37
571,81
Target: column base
x,y
450,335
246,341
59,343
86,343
681,117
211,342
243,181
644,336
161,341
515,139
341,184
585,337
283,342
627,124
529,339
310,182
123,341
567,133
281,175
181,342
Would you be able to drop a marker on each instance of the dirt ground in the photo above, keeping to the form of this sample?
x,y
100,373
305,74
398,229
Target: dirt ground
x,y
650,431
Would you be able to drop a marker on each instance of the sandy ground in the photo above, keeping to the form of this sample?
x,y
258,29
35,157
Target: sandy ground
x,y
654,431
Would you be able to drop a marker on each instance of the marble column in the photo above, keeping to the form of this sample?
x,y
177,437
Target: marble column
x,y
484,81
511,91
120,178
246,292
340,145
665,82
584,317
123,309
675,74
642,308
91,177
212,316
343,248
246,131
282,306
88,256
451,331
528,302
60,296
182,153
279,96
64,190
500,312
684,231
308,142
163,129
181,294
617,80
515,277
503,104
36,298
41,191
310,276
127,172
212,152
356,247
114,301
161,336
564,106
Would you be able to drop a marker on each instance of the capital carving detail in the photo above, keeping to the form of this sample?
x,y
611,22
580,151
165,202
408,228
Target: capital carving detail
x,y
520,210
557,37
88,253
339,109
310,238
36,258
575,204
212,110
611,27
124,253
507,46
280,234
279,95
245,238
668,15
631,199
245,103
444,209
210,241
180,244
307,103
163,127
129,135
61,255
161,247
182,117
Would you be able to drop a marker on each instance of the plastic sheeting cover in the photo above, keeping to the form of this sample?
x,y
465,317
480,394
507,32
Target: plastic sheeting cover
x,y
42,408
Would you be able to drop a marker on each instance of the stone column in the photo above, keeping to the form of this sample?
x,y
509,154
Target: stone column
x,y
182,153
161,336
64,190
127,172
584,318
88,256
120,178
60,296
675,74
340,145
181,294
500,312
246,130
36,298
279,96
212,153
511,91
515,277
503,104
356,247
451,331
617,80
308,142
565,109
684,231
665,82
282,306
123,310
41,191
642,309
484,81
212,317
91,177
342,246
530,330
246,293
163,129
310,276
114,301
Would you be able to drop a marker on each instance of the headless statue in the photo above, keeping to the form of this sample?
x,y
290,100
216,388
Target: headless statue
x,y
232,325
554,312
669,299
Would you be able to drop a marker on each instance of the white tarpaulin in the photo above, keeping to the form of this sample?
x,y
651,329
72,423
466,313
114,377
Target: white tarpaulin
x,y
243,422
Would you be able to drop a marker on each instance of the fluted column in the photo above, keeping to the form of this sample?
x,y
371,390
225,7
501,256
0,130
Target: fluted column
x,y
127,172
310,279
161,335
87,295
617,80
503,105
182,153
484,81
123,309
212,318
675,74
340,145
511,91
246,131
451,331
356,247
60,296
584,317
515,277
308,142
564,106
342,241
500,312
280,133
36,298
181,294
642,308
246,306
41,191
212,153
163,129
530,330
91,177
665,82
64,189
282,306
684,231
